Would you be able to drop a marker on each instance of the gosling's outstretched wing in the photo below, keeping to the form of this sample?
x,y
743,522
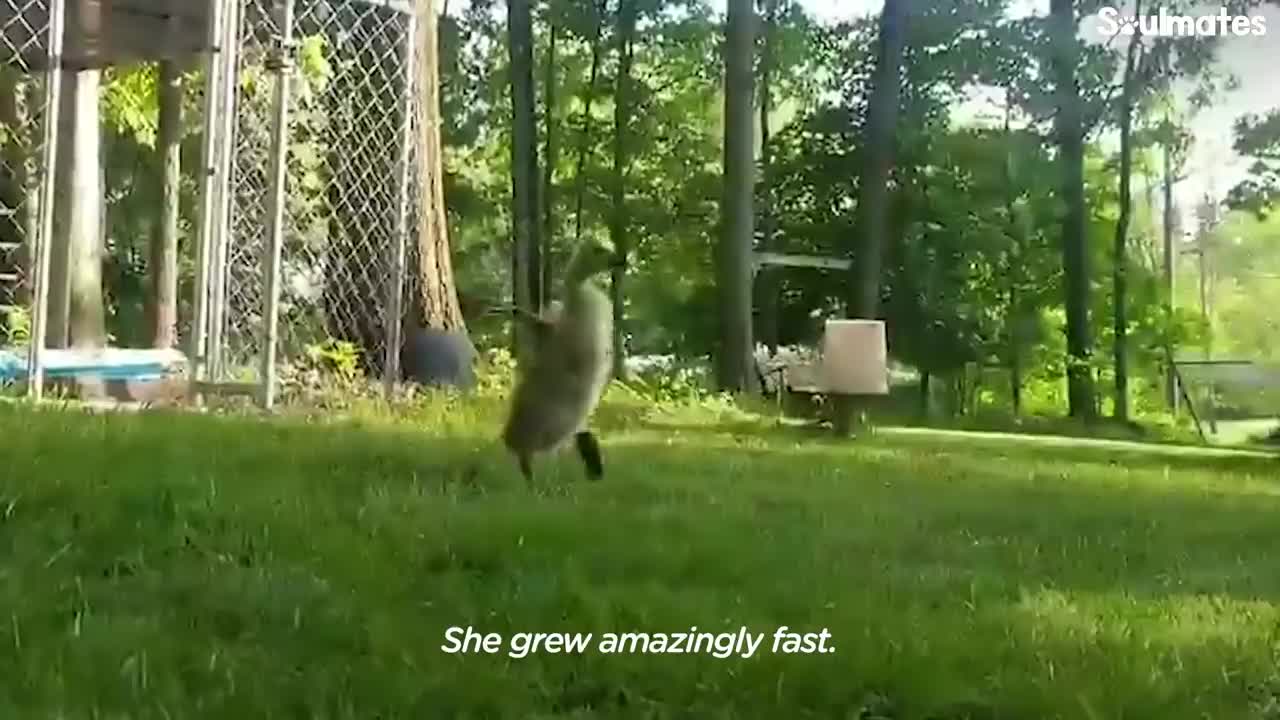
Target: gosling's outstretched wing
x,y
543,325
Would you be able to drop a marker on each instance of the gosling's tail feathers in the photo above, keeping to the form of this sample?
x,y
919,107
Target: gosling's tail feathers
x,y
589,450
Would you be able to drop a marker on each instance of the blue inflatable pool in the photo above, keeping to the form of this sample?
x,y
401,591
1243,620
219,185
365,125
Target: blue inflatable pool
x,y
106,364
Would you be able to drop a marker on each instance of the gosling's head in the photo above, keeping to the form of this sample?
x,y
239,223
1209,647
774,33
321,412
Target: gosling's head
x,y
593,257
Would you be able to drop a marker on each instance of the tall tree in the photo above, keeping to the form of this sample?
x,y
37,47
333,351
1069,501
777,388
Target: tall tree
x,y
549,166
439,351
1166,227
879,142
622,109
584,147
766,289
1150,67
1174,141
1013,266
1069,128
735,357
526,245
162,300
1120,261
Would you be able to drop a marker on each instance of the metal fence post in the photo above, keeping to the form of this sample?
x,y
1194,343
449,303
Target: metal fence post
x,y
281,65
222,208
212,185
48,189
396,282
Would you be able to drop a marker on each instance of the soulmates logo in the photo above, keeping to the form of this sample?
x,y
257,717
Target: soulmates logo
x,y
1111,22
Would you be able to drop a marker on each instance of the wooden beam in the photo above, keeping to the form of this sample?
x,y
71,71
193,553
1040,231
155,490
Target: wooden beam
x,y
105,33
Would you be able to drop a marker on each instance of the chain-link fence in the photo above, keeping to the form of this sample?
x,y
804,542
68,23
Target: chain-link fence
x,y
345,203
293,201
26,97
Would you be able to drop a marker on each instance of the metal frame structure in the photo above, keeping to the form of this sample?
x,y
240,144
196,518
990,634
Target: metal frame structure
x,y
251,242
227,189
44,39
281,64
48,161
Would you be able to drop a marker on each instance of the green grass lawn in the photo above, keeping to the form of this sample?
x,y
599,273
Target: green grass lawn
x,y
171,566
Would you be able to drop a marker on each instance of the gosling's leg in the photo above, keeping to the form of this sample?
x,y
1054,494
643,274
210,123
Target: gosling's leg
x,y
526,468
589,450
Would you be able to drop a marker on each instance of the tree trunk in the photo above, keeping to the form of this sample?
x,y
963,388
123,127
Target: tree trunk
x,y
1121,260
584,146
524,170
879,144
1202,253
548,171
1075,257
1015,350
163,298
437,351
436,303
878,156
1151,239
1013,269
735,357
618,225
767,284
76,316
1171,375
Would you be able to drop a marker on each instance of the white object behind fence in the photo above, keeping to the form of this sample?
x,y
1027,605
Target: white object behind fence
x,y
855,358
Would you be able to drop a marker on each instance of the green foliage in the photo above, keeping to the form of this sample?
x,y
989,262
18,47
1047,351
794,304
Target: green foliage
x,y
130,102
17,327
327,376
339,357
1258,137
495,376
974,275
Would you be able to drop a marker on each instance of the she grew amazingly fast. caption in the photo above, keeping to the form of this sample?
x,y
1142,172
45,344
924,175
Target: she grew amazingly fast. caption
x,y
720,645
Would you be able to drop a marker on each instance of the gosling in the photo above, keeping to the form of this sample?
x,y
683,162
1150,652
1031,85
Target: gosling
x,y
567,369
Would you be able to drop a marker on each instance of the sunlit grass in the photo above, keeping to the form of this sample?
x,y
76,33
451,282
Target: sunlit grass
x,y
166,565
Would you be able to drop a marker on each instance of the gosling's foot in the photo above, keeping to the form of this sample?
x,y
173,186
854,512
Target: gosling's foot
x,y
589,450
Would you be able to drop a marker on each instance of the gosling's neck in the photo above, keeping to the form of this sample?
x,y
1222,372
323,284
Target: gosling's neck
x,y
579,273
